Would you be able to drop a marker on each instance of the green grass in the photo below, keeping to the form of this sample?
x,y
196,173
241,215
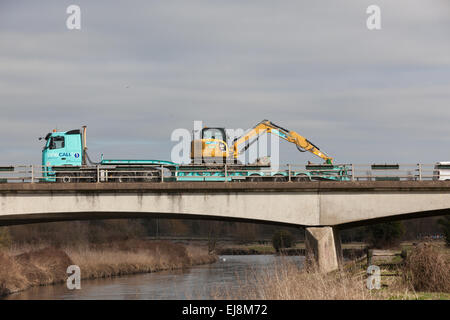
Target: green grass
x,y
422,296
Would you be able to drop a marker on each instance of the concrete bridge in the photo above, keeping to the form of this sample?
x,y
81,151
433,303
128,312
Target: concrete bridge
x,y
323,208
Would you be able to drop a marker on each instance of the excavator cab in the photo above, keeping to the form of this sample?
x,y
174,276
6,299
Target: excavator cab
x,y
213,133
212,146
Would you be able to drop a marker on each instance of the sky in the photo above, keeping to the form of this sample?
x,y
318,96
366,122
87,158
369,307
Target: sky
x,y
138,70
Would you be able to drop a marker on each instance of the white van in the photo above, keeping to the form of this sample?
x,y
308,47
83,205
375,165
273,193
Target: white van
x,y
442,171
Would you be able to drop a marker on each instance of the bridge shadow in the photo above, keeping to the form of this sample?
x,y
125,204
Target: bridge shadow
x,y
21,219
397,217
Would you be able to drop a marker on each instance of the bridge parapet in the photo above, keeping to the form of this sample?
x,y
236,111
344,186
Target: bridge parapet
x,y
106,173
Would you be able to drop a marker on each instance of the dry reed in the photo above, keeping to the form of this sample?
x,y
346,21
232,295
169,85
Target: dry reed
x,y
287,281
427,269
20,270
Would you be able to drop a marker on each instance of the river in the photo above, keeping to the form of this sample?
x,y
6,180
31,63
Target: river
x,y
198,282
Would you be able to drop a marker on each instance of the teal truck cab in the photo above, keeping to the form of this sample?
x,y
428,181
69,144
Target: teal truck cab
x,y
62,149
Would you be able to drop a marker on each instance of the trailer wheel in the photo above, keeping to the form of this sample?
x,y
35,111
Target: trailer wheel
x,y
255,178
279,178
124,177
151,176
301,178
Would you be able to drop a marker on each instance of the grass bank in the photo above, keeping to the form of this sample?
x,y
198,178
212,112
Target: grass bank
x,y
24,267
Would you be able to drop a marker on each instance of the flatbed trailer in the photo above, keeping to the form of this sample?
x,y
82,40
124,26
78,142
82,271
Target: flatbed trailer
x,y
160,170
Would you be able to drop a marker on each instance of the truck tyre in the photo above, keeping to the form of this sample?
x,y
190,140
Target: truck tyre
x,y
65,178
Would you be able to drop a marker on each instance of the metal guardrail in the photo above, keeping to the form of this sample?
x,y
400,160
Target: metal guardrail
x,y
226,173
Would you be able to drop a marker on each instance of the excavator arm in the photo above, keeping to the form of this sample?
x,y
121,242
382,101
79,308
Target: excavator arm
x,y
264,126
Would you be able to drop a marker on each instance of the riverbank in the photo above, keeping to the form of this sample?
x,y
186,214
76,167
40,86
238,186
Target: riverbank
x,y
24,267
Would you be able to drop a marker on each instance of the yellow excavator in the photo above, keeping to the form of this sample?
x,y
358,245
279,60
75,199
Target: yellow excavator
x,y
212,145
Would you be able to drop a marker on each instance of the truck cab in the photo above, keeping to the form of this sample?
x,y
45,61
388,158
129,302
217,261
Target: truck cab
x,y
61,149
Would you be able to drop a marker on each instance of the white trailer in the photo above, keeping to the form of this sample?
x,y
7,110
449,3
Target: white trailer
x,y
442,171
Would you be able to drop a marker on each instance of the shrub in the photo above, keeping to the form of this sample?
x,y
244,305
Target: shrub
x,y
282,239
426,269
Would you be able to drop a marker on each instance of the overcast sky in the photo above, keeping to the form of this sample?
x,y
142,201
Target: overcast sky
x,y
137,70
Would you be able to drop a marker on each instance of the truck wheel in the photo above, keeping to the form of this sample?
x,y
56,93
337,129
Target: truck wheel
x,y
66,178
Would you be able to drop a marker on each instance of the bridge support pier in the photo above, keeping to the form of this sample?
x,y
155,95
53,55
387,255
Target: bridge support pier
x,y
323,247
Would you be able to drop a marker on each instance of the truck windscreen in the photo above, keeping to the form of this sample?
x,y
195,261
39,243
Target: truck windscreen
x,y
56,143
